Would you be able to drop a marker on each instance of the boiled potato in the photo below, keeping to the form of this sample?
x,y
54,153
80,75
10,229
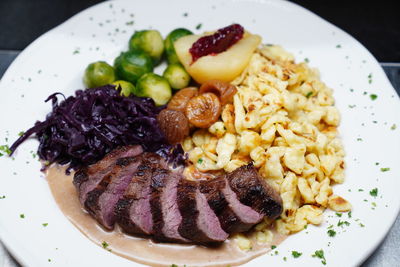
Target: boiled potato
x,y
224,66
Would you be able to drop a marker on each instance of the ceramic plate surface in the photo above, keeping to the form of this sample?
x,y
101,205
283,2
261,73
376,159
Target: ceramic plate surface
x,y
55,63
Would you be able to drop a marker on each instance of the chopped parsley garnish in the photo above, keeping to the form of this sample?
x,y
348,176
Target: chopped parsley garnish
x,y
2,197
351,90
21,133
320,254
105,245
296,254
76,51
370,78
49,260
373,96
198,27
338,214
309,94
174,265
129,23
185,14
306,60
341,223
22,216
374,192
273,247
45,224
361,225
284,258
5,149
349,214
352,106
200,161
360,190
376,163
338,46
359,139
331,233
385,169
393,127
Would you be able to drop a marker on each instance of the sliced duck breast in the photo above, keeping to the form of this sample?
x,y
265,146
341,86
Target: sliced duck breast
x,y
199,222
133,210
87,179
232,214
164,206
253,191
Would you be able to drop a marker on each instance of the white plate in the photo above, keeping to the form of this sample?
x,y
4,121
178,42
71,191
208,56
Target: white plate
x,y
55,62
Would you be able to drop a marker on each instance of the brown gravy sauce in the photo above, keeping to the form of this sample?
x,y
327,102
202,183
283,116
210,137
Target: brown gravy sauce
x,y
144,250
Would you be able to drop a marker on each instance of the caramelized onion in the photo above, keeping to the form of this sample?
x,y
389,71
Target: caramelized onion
x,y
203,110
224,90
181,98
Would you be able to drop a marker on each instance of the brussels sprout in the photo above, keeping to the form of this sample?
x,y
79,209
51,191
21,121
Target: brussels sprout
x,y
169,44
150,42
129,66
177,76
126,87
98,74
154,86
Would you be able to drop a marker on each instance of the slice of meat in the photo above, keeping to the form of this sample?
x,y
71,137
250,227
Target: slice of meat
x,y
133,210
158,182
253,191
115,190
164,206
233,215
199,222
87,179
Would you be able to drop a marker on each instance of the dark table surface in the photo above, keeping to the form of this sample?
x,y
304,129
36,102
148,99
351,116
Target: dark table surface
x,y
376,26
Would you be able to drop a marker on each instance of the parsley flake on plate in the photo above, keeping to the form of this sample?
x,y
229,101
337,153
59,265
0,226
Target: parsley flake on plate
x,y
296,254
331,233
320,254
373,96
374,192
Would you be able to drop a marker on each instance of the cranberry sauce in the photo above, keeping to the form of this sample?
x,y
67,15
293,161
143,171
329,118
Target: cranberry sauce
x,y
217,42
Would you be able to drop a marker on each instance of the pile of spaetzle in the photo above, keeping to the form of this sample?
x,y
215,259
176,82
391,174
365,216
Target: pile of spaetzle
x,y
283,119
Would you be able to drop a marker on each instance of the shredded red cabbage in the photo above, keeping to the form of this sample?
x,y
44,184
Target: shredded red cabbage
x,y
81,129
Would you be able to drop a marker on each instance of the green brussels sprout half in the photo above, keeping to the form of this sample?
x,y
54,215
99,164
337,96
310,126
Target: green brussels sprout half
x,y
126,87
177,76
98,74
150,42
169,44
154,86
130,66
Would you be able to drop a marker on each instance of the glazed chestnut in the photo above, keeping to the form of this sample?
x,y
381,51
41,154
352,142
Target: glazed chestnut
x,y
181,98
203,110
225,91
174,125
